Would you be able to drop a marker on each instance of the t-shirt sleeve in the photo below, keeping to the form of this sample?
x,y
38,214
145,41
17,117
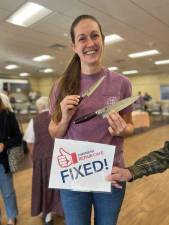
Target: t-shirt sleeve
x,y
126,92
29,135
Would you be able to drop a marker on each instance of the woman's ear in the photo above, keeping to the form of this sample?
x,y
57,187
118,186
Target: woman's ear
x,y
73,47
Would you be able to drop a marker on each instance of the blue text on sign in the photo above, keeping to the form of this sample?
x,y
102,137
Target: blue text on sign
x,y
83,170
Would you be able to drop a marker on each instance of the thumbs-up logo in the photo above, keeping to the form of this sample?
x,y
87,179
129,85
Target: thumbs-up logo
x,y
66,159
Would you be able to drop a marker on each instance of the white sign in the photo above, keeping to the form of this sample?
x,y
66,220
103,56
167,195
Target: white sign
x,y
81,166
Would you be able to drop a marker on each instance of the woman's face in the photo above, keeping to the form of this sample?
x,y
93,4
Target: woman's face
x,y
88,43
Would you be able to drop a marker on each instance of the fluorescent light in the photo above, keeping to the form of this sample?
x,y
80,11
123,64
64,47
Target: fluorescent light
x,y
144,54
14,81
166,61
11,67
130,72
113,68
24,74
42,58
28,14
112,38
47,70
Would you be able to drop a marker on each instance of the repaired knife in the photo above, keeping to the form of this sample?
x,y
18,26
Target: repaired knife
x,y
115,107
91,89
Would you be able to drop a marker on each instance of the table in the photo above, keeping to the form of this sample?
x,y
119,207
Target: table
x,y
140,119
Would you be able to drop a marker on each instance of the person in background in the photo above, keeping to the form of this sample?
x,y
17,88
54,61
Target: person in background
x,y
155,162
83,71
139,103
40,145
10,136
147,97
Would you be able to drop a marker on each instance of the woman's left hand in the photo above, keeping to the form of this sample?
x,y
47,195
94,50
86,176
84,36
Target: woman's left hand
x,y
117,124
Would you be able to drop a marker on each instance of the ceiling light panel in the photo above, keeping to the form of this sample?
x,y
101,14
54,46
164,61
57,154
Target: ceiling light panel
x,y
24,74
42,58
11,67
144,53
48,70
162,62
112,38
13,81
28,14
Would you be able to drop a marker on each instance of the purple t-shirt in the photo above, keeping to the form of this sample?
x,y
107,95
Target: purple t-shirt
x,y
113,88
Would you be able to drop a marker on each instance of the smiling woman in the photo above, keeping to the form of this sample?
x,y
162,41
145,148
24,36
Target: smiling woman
x,y
84,70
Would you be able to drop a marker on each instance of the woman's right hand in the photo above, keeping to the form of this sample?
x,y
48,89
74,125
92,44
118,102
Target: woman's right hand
x,y
69,106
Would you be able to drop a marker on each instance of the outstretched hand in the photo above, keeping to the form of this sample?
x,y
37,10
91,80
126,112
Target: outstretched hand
x,y
118,175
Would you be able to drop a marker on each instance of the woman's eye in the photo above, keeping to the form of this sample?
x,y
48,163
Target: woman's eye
x,y
95,36
82,39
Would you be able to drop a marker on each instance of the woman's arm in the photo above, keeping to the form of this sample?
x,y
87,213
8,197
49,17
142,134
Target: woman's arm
x,y
30,148
154,162
2,146
58,130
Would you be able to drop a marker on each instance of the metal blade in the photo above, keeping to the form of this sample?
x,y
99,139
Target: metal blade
x,y
93,87
118,106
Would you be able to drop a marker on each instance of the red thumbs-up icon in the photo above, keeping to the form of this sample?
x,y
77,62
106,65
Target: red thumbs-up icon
x,y
66,159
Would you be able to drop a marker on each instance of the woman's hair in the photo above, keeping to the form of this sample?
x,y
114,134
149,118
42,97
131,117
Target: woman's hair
x,y
42,103
69,83
5,103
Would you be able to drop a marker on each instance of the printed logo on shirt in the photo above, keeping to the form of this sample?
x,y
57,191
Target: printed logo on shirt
x,y
110,100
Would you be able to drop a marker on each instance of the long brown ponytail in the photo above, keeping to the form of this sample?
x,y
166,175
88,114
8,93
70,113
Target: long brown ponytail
x,y
69,84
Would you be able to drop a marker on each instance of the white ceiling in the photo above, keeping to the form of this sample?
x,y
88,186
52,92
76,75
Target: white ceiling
x,y
144,24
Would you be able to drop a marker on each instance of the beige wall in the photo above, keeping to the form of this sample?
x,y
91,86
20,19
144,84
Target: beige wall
x,y
144,83
43,85
149,83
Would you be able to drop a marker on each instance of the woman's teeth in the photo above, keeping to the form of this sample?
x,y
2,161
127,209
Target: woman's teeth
x,y
90,52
